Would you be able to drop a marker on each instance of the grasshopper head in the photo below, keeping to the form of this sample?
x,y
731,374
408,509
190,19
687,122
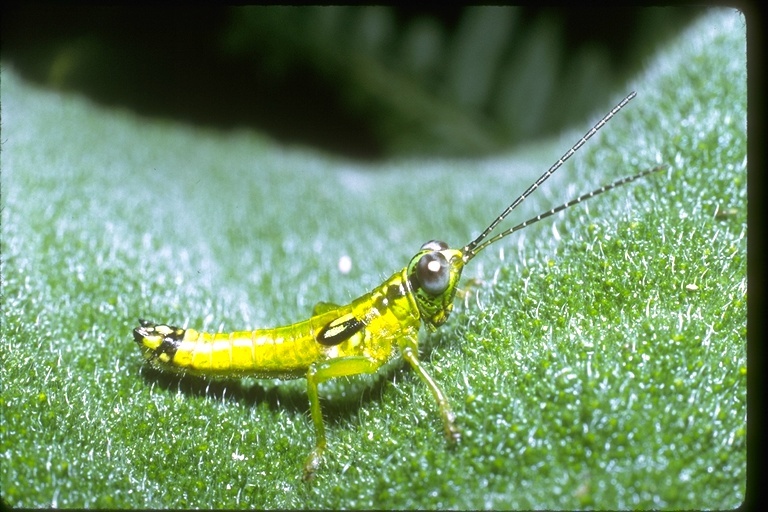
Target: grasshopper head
x,y
433,275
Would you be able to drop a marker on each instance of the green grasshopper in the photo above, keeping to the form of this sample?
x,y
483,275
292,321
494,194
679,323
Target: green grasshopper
x,y
359,337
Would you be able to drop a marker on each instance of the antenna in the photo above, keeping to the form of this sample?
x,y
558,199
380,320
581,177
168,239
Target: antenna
x,y
470,253
477,244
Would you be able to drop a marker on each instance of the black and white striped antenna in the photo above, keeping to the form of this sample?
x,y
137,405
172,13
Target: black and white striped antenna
x,y
480,243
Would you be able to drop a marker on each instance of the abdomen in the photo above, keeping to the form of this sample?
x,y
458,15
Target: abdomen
x,y
284,352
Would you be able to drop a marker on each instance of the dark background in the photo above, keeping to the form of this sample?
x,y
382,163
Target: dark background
x,y
363,82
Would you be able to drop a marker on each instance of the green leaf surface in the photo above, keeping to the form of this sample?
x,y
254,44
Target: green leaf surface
x,y
597,359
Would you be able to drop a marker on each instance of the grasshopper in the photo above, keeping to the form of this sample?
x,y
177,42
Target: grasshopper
x,y
359,337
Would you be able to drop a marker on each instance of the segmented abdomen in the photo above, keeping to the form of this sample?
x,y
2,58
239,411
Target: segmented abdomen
x,y
270,353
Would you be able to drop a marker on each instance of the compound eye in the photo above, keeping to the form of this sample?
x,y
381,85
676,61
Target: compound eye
x,y
433,272
434,245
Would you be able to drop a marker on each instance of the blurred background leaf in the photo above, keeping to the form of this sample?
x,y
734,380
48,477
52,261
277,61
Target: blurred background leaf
x,y
362,81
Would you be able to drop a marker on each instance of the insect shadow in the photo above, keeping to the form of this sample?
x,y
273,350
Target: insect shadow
x,y
341,398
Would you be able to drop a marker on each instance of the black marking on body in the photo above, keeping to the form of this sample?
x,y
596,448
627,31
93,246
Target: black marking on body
x,y
394,292
172,337
388,296
339,330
